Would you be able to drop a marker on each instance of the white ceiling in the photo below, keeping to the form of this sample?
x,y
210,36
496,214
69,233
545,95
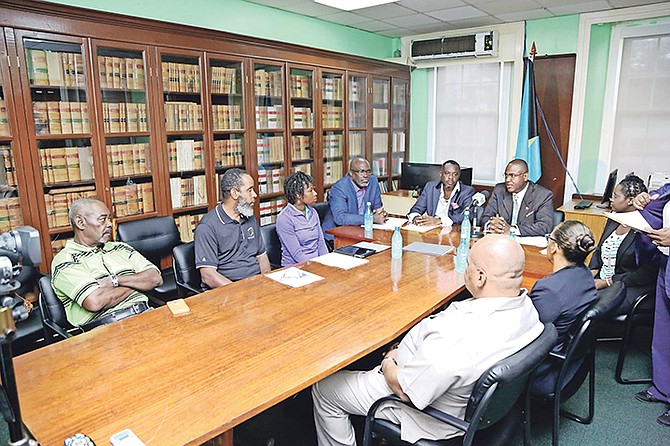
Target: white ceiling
x,y
411,17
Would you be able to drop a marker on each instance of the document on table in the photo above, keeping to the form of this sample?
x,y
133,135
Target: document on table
x,y
428,248
294,277
633,220
341,261
540,241
390,224
374,246
416,228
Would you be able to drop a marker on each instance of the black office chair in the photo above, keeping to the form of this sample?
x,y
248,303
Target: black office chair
x,y
187,276
154,238
492,398
56,325
559,217
321,209
272,244
580,346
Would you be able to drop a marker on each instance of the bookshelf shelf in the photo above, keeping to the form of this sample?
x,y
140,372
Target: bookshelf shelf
x,y
56,89
4,138
125,178
61,230
271,195
272,130
63,136
59,185
230,131
190,209
126,134
303,131
184,132
123,90
224,168
186,173
134,217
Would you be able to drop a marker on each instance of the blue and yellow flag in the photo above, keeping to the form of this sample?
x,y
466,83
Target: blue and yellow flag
x,y
528,143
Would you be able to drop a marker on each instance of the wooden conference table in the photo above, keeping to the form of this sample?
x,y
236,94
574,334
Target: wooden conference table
x,y
187,379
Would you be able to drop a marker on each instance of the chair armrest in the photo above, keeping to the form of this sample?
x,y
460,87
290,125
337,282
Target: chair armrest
x,y
61,331
188,287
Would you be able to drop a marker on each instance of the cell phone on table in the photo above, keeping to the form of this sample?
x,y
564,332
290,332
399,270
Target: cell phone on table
x,y
125,438
355,251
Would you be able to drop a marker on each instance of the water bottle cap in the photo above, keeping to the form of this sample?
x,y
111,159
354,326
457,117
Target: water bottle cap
x,y
368,203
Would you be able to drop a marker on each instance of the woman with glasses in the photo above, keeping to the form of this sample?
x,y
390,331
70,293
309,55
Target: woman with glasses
x,y
614,260
561,297
298,225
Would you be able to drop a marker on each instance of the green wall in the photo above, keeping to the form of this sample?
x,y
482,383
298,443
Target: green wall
x,y
418,133
250,19
557,35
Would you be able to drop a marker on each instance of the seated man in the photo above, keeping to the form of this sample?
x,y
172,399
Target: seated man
x,y
228,241
443,201
439,361
519,205
100,281
348,197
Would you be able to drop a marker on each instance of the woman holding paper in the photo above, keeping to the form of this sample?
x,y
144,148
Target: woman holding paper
x,y
298,225
614,260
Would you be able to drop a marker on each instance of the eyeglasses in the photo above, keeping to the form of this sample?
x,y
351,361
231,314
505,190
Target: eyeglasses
x,y
514,175
361,172
549,237
451,174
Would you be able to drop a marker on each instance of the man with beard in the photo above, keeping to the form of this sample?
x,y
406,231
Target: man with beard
x,y
97,280
228,241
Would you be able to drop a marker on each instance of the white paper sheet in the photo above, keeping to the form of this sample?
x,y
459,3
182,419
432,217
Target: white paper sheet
x,y
413,227
390,224
428,248
633,220
540,241
294,277
374,246
341,261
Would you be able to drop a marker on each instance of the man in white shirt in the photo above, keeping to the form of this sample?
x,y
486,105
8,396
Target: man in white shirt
x,y
438,362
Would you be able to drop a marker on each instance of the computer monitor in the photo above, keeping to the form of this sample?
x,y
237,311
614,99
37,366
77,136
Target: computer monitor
x,y
609,188
414,176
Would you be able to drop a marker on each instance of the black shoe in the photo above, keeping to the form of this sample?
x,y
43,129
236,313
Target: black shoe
x,y
646,397
664,419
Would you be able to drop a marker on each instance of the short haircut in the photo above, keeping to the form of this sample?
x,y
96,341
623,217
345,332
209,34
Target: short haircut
x,y
452,162
295,185
575,239
79,205
232,179
519,162
632,186
356,158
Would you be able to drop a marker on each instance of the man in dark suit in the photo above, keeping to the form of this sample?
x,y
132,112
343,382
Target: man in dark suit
x,y
519,205
444,201
348,197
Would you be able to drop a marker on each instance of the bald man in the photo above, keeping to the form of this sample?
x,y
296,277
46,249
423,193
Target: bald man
x,y
438,362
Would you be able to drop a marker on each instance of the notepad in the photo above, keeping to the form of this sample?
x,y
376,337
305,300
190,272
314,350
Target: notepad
x,y
374,246
294,277
340,260
539,241
428,248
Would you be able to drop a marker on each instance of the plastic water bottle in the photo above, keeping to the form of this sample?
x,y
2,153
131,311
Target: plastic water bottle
x,y
396,244
368,220
464,245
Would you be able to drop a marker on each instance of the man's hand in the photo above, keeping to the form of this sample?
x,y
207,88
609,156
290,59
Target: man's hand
x,y
643,199
660,237
426,220
498,225
379,216
600,284
106,282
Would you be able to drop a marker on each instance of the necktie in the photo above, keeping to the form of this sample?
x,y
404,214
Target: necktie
x,y
361,203
515,209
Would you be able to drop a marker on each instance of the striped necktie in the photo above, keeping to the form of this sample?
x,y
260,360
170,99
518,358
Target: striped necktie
x,y
515,208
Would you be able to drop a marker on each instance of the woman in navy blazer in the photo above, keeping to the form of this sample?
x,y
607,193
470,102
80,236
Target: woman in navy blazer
x,y
561,297
615,259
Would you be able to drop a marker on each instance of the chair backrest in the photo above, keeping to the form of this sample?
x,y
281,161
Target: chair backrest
x,y
152,237
501,385
559,216
321,209
272,244
186,274
53,311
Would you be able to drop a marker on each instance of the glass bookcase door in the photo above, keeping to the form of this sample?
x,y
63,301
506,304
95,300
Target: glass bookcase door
x,y
380,125
332,125
270,131
358,115
181,81
121,76
398,129
301,114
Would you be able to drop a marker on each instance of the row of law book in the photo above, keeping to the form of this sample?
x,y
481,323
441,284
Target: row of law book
x,y
332,89
332,116
58,118
268,83
269,117
301,86
357,118
332,171
123,73
380,94
186,192
379,167
356,143
132,199
183,116
124,117
380,142
383,187
55,69
301,117
398,118
380,117
66,164
58,203
332,145
4,119
356,90
186,155
228,152
270,180
398,142
227,117
186,226
10,214
270,149
224,80
301,147
58,245
396,164
7,167
180,77
128,159
269,211
304,168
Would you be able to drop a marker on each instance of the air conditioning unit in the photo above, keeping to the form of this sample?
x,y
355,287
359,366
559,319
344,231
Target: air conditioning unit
x,y
470,45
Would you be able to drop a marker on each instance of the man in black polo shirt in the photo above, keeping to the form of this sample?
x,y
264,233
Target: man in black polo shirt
x,y
228,241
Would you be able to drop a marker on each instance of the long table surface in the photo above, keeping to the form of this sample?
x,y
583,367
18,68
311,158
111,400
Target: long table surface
x,y
242,348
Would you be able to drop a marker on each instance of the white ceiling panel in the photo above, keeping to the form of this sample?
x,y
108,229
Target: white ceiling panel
x,y
460,13
430,5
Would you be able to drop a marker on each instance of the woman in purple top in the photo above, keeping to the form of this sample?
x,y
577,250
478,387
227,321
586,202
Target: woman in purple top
x,y
298,225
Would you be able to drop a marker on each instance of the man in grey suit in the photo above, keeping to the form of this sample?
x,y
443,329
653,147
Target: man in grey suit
x,y
519,205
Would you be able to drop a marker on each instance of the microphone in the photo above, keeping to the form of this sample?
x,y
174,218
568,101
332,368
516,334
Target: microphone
x,y
478,201
480,198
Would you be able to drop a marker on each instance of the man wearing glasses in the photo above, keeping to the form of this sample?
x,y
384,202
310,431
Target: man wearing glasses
x,y
348,197
518,205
